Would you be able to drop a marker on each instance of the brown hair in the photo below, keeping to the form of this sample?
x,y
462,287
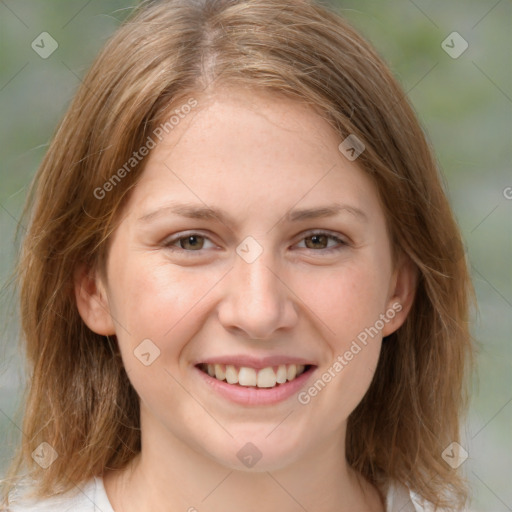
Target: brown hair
x,y
80,400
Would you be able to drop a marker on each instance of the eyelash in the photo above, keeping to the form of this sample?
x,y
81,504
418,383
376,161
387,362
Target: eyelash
x,y
342,243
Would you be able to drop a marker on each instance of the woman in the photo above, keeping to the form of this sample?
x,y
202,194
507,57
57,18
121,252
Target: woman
x,y
242,286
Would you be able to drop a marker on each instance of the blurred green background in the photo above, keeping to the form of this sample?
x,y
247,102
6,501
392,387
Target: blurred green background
x,y
465,105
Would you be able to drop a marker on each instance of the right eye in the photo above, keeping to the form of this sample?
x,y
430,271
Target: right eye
x,y
191,242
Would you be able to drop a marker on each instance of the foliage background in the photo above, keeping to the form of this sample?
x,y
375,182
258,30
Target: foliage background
x,y
465,105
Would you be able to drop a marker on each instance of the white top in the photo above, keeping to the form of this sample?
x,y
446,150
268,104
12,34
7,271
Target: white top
x,y
91,497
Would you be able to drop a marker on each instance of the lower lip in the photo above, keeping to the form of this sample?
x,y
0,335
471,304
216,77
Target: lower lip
x,y
256,396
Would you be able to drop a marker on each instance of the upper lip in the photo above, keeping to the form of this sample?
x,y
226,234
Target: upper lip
x,y
255,362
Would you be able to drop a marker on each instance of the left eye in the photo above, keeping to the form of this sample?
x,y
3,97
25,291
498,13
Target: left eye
x,y
322,241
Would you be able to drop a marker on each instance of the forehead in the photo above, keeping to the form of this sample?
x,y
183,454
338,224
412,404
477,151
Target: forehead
x,y
252,151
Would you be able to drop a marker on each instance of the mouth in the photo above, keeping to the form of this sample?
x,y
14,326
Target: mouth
x,y
269,377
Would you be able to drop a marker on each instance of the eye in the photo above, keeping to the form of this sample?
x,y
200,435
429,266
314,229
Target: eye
x,y
322,241
191,242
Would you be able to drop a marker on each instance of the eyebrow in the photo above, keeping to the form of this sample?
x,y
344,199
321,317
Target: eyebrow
x,y
195,211
325,211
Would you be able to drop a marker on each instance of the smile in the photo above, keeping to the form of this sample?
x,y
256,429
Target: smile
x,y
244,376
255,381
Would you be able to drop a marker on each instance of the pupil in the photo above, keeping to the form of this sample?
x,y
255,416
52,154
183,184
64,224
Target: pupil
x,y
317,240
191,242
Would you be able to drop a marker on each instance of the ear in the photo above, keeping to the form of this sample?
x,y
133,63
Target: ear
x,y
401,294
92,301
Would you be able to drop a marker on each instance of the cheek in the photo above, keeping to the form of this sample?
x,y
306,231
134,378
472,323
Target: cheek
x,y
346,300
347,304
162,303
158,301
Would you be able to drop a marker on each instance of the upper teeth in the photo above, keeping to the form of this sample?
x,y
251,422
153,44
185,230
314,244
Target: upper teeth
x,y
263,378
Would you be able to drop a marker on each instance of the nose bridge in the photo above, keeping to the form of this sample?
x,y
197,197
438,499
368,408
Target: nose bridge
x,y
257,282
256,301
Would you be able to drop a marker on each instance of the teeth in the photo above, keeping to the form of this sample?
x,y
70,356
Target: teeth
x,y
291,372
219,372
281,374
231,374
265,378
247,376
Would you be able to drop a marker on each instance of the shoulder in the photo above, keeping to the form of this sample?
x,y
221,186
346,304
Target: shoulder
x,y
400,498
88,497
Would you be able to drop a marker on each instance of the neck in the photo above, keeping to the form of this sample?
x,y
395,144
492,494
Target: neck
x,y
173,476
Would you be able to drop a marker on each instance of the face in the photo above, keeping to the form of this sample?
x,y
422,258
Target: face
x,y
249,284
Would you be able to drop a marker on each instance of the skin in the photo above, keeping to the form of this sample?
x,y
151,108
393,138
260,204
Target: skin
x,y
256,156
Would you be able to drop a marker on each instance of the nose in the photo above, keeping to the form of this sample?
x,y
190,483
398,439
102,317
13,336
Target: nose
x,y
257,302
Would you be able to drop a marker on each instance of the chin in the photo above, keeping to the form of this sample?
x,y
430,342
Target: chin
x,y
256,452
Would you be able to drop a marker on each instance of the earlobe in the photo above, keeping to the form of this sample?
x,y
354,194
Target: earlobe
x,y
402,292
92,302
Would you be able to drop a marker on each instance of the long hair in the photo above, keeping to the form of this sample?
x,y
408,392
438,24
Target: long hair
x,y
79,399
